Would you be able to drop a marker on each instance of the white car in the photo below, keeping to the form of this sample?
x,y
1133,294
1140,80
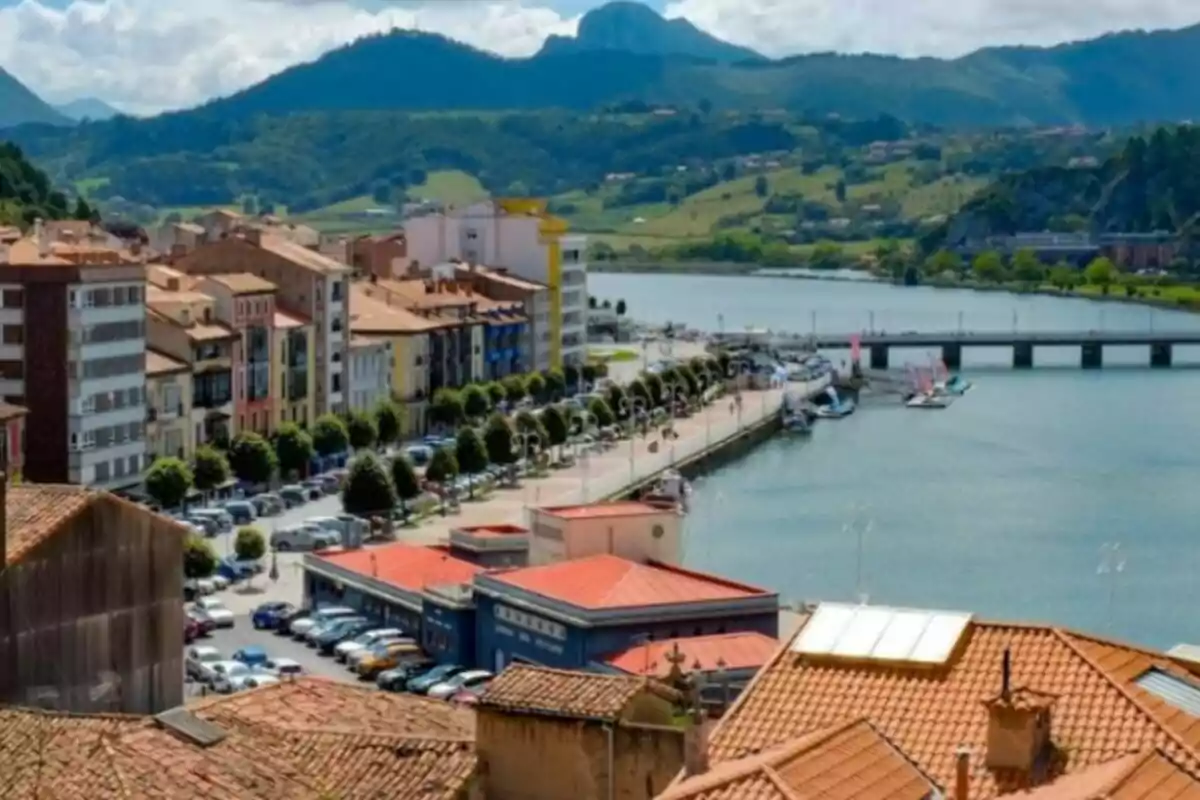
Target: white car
x,y
227,676
215,610
364,640
202,585
282,668
214,670
220,582
199,657
463,680
254,680
299,628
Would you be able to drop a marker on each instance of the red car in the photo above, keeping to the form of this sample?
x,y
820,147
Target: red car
x,y
195,626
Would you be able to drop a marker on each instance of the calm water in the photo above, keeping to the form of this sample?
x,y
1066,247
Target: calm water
x,y
1002,504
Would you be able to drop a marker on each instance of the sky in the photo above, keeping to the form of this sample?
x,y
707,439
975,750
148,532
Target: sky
x,y
144,56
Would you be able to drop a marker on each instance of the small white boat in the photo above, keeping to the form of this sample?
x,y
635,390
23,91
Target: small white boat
x,y
797,423
927,400
836,411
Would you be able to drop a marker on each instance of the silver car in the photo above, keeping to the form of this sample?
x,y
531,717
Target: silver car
x,y
199,657
302,537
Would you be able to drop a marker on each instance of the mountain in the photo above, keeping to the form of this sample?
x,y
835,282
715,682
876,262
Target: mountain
x,y
87,108
18,105
637,28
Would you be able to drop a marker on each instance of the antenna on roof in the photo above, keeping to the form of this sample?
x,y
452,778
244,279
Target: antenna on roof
x,y
860,525
1112,564
1006,674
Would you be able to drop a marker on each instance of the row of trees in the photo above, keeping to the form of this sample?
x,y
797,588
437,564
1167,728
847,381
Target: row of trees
x,y
1023,267
452,407
200,558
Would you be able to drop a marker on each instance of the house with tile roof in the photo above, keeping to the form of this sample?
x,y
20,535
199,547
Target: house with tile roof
x,y
985,709
90,610
575,614
307,740
551,734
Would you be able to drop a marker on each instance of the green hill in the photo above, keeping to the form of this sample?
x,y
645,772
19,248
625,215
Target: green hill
x,y
25,191
18,105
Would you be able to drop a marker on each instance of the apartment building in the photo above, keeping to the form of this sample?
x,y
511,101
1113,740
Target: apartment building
x,y
12,440
409,336
371,364
534,300
181,323
310,285
293,381
520,236
72,348
168,407
384,256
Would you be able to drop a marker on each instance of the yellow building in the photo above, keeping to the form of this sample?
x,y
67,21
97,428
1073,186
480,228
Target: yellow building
x,y
293,379
408,334
168,407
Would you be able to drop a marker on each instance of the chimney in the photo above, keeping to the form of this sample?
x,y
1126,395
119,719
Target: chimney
x,y
695,742
962,773
253,236
42,236
1019,727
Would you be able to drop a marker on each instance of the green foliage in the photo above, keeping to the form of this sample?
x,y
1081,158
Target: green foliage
x,y
687,378
1101,272
601,413
621,308
368,487
554,422
387,422
637,390
944,262
476,402
988,266
1027,267
536,386
443,466
360,430
293,448
571,375
404,479
1063,276
447,408
250,544
25,191
330,435
496,393
199,558
617,401
498,440
210,468
252,459
168,481
516,388
469,452
556,384
655,388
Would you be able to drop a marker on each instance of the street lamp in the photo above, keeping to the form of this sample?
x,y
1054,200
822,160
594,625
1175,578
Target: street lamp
x,y
638,404
675,390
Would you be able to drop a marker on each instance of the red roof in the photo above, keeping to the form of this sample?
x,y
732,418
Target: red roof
x,y
742,650
488,531
407,566
607,581
629,508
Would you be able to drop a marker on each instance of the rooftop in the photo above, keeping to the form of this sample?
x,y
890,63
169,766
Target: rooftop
x,y
609,582
499,276
370,315
526,689
159,364
1152,774
301,256
630,508
492,531
285,320
243,283
1109,698
732,651
849,761
410,567
26,253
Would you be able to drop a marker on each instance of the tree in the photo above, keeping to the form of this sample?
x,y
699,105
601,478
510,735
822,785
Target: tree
x,y
293,449
447,408
252,459
361,430
471,455
827,255
687,378
601,412
592,301
571,375
387,422
621,308
589,373
210,469
1063,276
839,191
515,388
556,383
944,262
496,393
762,187
405,482
199,558
330,435
654,387
1102,273
636,390
476,402
536,386
82,210
988,266
368,488
250,544
617,401
1027,267
554,422
498,440
443,466
168,482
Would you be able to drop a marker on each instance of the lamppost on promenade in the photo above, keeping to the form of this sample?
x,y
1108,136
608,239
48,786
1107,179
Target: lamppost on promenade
x,y
675,390
638,404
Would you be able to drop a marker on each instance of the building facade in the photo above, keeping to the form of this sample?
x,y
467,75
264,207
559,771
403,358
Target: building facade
x,y
371,364
498,284
632,530
409,335
168,407
522,237
73,321
294,377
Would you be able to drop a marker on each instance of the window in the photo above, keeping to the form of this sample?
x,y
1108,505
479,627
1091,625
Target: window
x,y
14,298
14,334
336,292
134,465
102,473
12,370
337,382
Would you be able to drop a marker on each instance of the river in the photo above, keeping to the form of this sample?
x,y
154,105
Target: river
x,y
1007,504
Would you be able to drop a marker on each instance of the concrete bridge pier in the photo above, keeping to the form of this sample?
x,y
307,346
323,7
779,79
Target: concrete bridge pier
x,y
952,356
1160,354
1091,355
879,356
1022,355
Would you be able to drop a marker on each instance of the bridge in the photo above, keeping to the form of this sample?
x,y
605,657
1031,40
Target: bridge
x,y
878,344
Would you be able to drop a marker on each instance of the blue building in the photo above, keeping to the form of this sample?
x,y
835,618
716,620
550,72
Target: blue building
x,y
507,329
576,614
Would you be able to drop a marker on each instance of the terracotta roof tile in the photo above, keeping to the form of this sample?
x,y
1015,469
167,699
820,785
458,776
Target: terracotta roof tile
x,y
733,651
284,320
849,761
607,581
371,315
585,695
301,256
34,512
1098,713
1144,776
243,283
624,508
411,567
159,364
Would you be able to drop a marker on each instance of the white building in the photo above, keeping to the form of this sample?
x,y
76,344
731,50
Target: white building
x,y
520,236
370,372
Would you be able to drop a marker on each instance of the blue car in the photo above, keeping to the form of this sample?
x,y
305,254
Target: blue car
x,y
251,656
269,615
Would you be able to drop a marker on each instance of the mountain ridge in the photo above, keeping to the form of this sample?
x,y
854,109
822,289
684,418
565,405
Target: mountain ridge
x,y
87,108
19,105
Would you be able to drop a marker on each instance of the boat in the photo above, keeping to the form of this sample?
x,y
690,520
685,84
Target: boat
x,y
837,407
797,423
946,384
927,400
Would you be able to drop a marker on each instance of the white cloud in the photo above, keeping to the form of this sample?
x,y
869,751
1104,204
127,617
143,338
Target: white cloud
x,y
922,27
147,55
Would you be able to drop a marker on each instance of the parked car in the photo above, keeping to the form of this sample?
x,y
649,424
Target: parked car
x,y
197,658
283,667
381,646
333,626
193,629
468,696
226,675
268,615
342,524
284,627
219,581
207,525
294,495
443,672
209,673
251,656
199,587
315,488
223,520
215,610
463,680
397,678
243,512
256,680
302,537
201,619
330,639
363,640
234,570
268,504
299,627
390,657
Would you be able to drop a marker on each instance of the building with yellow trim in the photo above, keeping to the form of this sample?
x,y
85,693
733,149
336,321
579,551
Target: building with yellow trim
x,y
522,237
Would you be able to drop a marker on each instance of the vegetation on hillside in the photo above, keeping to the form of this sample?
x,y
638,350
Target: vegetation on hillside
x,y
25,191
